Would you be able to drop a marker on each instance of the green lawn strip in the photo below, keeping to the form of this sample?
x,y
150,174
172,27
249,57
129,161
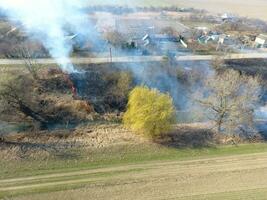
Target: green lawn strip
x,y
122,157
12,194
81,182
162,155
250,194
92,176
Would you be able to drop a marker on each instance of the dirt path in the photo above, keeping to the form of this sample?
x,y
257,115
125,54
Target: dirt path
x,y
165,180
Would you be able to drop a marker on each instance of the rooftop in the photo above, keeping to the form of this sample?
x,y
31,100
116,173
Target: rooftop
x,y
262,36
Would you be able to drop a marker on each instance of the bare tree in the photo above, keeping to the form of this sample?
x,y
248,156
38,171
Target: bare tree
x,y
170,31
18,99
30,64
115,38
230,99
218,64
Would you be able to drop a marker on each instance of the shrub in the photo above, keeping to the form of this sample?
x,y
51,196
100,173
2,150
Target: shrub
x,y
149,112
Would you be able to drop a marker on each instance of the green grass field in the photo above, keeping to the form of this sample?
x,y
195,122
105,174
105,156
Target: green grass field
x,y
136,166
77,159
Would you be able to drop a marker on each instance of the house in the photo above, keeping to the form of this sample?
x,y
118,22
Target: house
x,y
204,39
164,43
247,41
159,38
223,39
261,41
202,30
71,37
227,17
228,40
135,42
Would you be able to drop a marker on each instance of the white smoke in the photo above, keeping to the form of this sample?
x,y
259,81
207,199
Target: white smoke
x,y
50,22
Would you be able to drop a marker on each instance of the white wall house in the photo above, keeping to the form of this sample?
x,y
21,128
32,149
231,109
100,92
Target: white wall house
x,y
261,41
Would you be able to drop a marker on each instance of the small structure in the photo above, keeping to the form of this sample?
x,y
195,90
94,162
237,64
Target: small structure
x,y
224,39
202,30
159,38
261,41
164,44
228,40
227,17
205,39
135,42
247,40
71,37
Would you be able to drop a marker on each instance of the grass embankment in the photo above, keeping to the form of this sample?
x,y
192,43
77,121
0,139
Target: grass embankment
x,y
89,168
77,160
135,166
257,194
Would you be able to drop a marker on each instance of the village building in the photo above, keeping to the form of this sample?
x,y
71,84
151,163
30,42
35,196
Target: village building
x,y
227,17
261,41
160,38
228,40
204,39
159,43
202,30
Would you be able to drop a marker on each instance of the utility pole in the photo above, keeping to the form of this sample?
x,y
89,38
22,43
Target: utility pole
x,y
110,54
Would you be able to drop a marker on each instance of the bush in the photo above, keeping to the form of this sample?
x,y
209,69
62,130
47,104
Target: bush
x,y
149,112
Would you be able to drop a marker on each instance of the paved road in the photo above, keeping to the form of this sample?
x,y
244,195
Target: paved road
x,y
15,62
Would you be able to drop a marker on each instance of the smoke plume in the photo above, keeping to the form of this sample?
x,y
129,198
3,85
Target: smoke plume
x,y
50,21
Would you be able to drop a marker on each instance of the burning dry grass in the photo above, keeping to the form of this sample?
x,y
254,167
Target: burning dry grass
x,y
54,96
70,110
189,135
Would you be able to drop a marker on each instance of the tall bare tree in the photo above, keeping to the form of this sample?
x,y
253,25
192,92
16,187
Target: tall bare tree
x,y
18,97
230,99
115,38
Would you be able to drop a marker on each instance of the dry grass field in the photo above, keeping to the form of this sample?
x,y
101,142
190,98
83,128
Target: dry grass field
x,y
249,8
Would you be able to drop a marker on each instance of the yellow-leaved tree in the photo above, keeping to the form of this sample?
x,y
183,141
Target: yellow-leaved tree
x,y
149,112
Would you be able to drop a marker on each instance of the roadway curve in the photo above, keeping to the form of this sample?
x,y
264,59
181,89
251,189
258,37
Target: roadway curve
x,y
48,61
